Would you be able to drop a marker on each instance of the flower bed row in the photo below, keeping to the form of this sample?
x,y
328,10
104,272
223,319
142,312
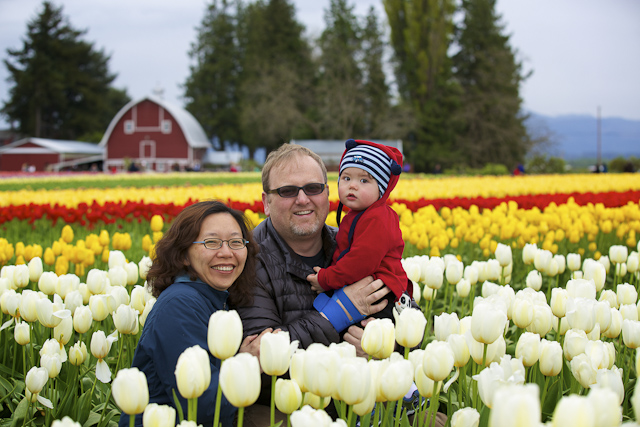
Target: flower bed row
x,y
108,212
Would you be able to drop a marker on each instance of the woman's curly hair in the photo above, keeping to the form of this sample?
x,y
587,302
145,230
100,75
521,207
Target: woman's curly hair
x,y
171,251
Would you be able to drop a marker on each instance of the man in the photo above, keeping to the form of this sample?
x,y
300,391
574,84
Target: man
x,y
293,239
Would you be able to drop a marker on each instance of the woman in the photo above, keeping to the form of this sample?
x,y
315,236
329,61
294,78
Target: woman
x,y
204,263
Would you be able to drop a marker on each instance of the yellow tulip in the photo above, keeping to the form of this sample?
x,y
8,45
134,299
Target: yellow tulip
x,y
157,223
104,238
49,256
67,233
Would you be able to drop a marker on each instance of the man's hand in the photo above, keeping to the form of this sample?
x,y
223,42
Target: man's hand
x,y
364,293
354,336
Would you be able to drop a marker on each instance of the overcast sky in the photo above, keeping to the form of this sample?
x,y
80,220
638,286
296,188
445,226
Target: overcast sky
x,y
583,53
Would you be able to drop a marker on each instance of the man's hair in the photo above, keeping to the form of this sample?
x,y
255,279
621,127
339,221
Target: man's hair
x,y
286,152
171,251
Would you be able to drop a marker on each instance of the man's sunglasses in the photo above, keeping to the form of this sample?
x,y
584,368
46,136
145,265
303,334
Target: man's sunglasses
x,y
289,191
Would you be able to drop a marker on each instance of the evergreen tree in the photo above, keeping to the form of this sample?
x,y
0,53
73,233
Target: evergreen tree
x,y
60,83
277,73
492,125
211,90
376,90
421,34
341,97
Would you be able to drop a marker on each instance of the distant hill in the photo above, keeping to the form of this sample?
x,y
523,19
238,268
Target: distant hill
x,y
576,136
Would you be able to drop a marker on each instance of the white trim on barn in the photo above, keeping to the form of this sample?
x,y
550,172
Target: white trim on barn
x,y
193,132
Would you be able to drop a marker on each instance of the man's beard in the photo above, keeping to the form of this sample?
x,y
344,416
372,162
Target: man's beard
x,y
305,230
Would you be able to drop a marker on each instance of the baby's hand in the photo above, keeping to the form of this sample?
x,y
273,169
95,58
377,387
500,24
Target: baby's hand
x,y
313,279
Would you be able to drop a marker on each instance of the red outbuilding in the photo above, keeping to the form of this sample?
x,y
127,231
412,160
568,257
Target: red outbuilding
x,y
40,154
152,134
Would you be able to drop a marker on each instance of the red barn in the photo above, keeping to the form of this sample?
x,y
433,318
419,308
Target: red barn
x,y
40,154
155,135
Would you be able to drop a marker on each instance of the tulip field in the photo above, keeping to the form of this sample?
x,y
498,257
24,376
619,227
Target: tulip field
x,y
527,288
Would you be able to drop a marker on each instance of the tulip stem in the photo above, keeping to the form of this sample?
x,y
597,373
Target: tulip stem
x,y
273,399
376,414
104,409
216,417
192,408
241,416
398,412
406,353
428,316
544,391
26,414
433,404
132,420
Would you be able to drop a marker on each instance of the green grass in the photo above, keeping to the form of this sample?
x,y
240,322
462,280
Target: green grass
x,y
61,182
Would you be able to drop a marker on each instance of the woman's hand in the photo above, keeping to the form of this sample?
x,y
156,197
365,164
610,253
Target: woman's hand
x,y
251,344
364,293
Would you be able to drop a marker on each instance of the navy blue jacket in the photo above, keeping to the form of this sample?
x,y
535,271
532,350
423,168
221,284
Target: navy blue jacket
x,y
179,320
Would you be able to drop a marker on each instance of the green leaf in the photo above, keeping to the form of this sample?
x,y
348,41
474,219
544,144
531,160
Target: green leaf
x,y
94,419
84,407
20,413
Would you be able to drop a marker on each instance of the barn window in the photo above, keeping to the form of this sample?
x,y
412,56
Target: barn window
x,y
166,126
128,127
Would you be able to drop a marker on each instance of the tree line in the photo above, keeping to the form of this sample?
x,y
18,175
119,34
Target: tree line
x,y
449,88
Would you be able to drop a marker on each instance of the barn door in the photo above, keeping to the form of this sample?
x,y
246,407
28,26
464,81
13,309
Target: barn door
x,y
147,149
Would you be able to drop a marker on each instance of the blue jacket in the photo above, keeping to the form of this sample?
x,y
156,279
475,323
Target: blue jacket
x,y
179,320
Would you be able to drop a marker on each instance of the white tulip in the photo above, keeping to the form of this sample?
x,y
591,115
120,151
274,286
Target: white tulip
x,y
410,327
159,416
528,348
487,323
116,259
583,370
131,268
534,280
193,372
454,271
35,269
529,253
574,411
240,379
224,334
47,282
275,352
574,262
618,253
516,402
446,324
130,391
143,267
96,281
551,360
438,360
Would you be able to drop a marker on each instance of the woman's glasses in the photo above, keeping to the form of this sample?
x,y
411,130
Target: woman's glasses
x,y
289,191
235,244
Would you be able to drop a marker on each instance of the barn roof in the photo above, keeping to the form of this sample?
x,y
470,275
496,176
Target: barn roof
x,y
193,132
52,146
